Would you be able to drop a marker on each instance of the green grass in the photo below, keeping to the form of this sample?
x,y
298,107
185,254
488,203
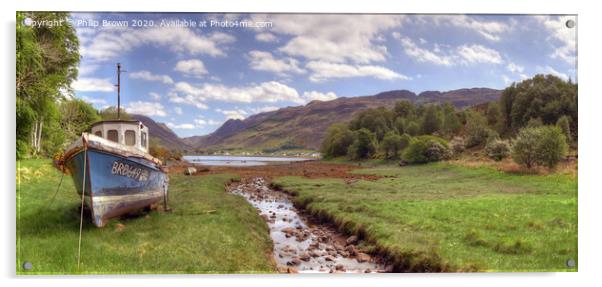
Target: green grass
x,y
209,230
442,217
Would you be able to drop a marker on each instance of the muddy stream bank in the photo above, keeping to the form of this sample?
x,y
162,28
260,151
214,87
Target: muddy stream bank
x,y
299,244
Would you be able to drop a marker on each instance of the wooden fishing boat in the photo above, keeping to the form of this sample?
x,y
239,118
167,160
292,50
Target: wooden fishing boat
x,y
112,167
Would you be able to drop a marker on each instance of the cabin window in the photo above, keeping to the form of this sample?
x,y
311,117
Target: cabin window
x,y
113,135
130,137
143,139
98,133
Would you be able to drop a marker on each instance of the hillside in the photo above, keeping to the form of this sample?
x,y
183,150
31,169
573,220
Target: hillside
x,y
161,133
305,126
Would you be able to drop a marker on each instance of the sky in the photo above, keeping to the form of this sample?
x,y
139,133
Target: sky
x,y
195,71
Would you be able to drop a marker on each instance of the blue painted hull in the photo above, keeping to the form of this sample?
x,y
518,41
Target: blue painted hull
x,y
114,184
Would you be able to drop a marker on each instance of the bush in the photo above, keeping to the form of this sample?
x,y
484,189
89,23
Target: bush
x,y
544,145
425,149
457,145
497,149
393,143
337,141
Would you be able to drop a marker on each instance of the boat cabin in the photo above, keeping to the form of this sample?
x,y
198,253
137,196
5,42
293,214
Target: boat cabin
x,y
128,133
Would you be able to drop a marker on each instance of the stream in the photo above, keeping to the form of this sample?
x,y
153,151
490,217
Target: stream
x,y
300,246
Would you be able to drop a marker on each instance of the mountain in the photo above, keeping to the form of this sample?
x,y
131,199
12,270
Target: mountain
x,y
160,132
305,126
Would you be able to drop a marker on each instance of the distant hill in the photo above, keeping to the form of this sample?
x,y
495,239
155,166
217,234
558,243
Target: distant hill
x,y
163,134
305,126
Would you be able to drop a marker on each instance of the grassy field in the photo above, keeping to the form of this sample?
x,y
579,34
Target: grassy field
x,y
209,230
444,217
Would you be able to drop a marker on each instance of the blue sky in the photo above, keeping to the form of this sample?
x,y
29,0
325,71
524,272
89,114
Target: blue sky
x,y
195,78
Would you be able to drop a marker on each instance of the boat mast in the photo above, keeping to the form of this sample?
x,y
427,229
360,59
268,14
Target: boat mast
x,y
119,71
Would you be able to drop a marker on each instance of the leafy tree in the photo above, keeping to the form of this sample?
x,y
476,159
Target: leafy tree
x,y
431,120
493,114
400,125
76,117
451,122
544,145
476,129
412,128
404,109
546,97
364,144
47,60
552,146
564,123
110,113
391,144
337,141
379,121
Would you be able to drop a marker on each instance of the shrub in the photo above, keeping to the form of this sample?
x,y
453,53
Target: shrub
x,y
497,149
337,141
564,123
544,145
552,146
391,144
425,149
457,145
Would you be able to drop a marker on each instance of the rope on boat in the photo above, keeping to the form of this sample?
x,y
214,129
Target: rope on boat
x,y
81,215
57,190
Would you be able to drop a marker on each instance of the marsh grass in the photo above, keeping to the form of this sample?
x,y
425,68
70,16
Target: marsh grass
x,y
445,217
209,230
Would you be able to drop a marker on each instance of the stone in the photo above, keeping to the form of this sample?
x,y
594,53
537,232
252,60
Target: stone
x,y
328,258
351,250
351,239
362,257
305,256
295,261
340,267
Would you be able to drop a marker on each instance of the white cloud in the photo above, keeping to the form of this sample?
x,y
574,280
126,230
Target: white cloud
x,y
202,122
478,54
514,68
265,92
266,37
192,67
324,70
187,99
422,55
180,126
490,30
564,38
333,38
177,110
236,114
314,95
554,72
465,54
264,61
94,100
110,43
148,76
146,108
93,85
154,96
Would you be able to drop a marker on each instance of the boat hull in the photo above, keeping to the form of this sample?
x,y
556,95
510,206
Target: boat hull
x,y
114,185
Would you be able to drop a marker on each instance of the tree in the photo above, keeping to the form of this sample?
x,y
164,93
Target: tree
x,y
497,149
546,97
544,145
493,114
451,122
76,117
337,141
110,113
431,120
564,123
379,121
47,60
476,129
363,146
391,144
404,109
412,128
